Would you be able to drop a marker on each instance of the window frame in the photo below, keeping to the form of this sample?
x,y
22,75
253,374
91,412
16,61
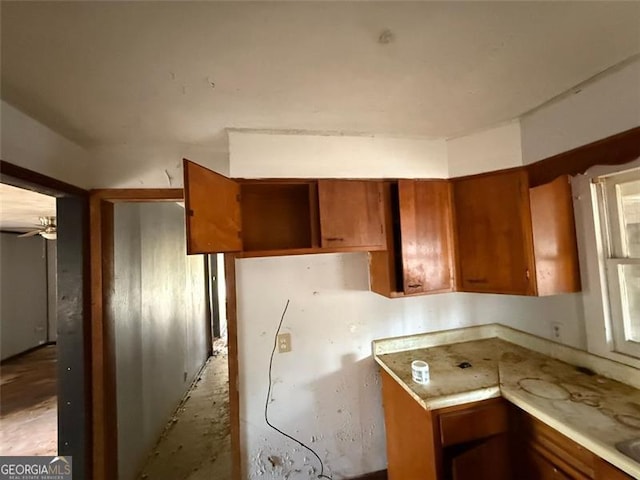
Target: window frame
x,y
616,255
592,245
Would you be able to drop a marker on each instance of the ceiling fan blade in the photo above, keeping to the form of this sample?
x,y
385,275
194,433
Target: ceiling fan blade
x,y
29,234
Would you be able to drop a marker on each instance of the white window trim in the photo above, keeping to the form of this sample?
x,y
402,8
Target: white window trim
x,y
597,321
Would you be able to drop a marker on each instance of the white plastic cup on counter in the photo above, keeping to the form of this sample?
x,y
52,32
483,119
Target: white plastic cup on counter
x,y
420,372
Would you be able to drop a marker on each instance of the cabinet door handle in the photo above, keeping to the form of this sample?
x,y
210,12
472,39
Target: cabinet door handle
x,y
414,285
334,239
477,280
527,274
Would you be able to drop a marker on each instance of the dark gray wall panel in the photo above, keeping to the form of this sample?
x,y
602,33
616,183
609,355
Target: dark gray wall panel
x,y
73,333
160,319
23,298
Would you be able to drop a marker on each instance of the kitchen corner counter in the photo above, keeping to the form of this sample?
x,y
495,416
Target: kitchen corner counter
x,y
449,384
592,410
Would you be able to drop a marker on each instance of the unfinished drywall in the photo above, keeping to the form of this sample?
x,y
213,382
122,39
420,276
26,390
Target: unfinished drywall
x,y
160,324
23,286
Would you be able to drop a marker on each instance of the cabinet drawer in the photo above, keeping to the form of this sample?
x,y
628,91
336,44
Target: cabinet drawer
x,y
472,423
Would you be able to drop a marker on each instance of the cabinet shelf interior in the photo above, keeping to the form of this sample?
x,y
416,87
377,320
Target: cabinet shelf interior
x,y
276,216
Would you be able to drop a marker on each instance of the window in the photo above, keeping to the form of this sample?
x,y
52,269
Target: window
x,y
619,202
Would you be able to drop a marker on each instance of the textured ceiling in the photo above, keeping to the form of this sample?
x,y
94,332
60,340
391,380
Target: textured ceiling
x,y
20,209
157,72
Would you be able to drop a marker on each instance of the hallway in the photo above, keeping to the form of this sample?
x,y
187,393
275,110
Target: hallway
x,y
196,444
28,404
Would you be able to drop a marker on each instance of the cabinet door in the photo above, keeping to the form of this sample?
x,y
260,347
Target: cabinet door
x,y
606,471
554,238
426,233
384,265
413,452
546,453
351,213
484,461
538,467
495,242
212,211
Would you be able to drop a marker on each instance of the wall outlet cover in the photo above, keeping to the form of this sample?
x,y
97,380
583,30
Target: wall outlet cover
x,y
284,342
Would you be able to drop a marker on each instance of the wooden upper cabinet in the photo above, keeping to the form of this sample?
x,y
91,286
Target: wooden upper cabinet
x,y
280,216
515,240
212,211
426,235
495,240
351,213
554,238
385,266
420,255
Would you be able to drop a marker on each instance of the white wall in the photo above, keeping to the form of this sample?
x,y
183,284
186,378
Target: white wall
x,y
29,144
260,155
326,391
609,105
492,149
156,166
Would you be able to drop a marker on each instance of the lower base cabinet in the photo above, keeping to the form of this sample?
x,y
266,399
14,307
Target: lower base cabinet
x,y
541,453
457,443
486,440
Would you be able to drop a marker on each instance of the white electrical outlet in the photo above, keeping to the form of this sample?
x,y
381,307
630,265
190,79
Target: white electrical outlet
x,y
556,331
284,343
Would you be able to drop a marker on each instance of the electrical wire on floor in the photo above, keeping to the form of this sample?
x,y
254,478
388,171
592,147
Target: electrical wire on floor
x,y
266,404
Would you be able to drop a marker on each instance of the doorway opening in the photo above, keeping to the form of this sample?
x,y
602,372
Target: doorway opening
x,y
165,336
44,402
28,313
196,442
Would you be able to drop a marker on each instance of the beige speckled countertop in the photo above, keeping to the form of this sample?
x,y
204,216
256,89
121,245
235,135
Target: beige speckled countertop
x,y
592,410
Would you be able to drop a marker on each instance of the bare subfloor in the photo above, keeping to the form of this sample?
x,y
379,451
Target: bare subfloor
x,y
196,443
28,404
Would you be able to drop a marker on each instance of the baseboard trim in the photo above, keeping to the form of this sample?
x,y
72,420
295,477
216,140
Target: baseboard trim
x,y
379,475
25,352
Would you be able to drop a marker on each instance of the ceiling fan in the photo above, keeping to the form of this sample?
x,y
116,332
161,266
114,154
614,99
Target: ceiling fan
x,y
47,229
